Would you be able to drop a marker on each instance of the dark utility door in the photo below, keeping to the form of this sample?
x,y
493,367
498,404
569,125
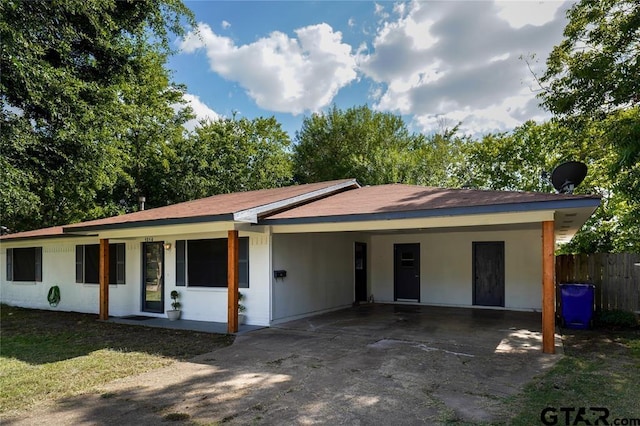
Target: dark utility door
x,y
488,273
407,272
153,277
361,272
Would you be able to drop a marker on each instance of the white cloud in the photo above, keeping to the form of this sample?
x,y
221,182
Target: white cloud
x,y
519,13
280,73
400,8
379,11
459,61
200,110
375,92
509,113
450,60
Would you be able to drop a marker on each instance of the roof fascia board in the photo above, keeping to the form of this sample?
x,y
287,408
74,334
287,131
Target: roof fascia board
x,y
454,211
149,223
252,215
169,230
45,237
423,223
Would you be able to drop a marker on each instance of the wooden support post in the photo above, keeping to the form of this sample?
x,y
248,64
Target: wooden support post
x,y
548,288
103,271
232,282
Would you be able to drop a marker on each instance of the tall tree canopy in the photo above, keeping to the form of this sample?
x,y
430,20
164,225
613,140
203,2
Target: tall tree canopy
x,y
518,159
595,70
373,147
83,88
593,82
231,155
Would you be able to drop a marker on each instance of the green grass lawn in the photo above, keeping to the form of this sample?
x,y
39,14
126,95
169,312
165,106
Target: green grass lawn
x,y
46,355
601,369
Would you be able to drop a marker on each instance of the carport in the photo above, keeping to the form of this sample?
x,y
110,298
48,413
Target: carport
x,y
423,246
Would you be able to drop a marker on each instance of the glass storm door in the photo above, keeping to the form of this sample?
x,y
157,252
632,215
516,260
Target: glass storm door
x,y
153,277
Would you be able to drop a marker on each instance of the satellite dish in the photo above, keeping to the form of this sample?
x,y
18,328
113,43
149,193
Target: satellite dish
x,y
568,175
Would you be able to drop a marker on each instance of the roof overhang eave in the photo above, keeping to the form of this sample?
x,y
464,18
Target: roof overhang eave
x,y
47,237
592,203
83,230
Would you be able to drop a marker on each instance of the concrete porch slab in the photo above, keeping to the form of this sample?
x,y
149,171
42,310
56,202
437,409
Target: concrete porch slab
x,y
181,324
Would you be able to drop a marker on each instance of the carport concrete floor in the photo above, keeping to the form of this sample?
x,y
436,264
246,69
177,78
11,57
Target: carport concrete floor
x,y
370,364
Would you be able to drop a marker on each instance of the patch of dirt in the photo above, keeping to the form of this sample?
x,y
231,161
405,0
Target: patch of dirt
x,y
598,342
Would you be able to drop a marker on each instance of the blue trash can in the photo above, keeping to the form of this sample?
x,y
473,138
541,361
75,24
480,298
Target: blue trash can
x,y
577,302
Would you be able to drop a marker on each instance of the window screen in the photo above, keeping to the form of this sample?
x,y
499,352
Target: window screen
x,y
203,263
207,263
243,262
88,263
24,264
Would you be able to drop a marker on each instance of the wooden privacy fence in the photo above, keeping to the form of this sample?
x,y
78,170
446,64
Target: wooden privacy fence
x,y
616,277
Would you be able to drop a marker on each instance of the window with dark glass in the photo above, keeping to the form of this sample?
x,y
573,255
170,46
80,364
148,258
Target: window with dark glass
x,y
24,264
406,259
203,263
88,263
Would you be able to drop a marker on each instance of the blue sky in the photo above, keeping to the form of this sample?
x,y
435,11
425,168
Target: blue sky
x,y
434,63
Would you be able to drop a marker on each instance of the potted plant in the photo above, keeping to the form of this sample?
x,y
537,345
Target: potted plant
x,y
242,318
174,313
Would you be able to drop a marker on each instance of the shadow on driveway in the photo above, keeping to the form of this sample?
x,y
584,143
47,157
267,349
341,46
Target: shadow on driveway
x,y
372,364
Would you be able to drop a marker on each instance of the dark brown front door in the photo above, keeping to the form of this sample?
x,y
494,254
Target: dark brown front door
x,y
407,272
360,272
488,273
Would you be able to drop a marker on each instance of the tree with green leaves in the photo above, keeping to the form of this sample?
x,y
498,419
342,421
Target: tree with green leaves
x,y
231,155
75,100
155,128
593,81
373,147
595,70
438,158
518,160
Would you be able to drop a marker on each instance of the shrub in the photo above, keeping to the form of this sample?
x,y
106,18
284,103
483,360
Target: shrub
x,y
617,318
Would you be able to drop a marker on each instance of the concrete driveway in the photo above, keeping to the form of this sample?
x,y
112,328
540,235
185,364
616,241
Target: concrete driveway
x,y
372,364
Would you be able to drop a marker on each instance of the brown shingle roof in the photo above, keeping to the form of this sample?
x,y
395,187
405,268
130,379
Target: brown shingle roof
x,y
36,233
216,205
370,200
404,198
